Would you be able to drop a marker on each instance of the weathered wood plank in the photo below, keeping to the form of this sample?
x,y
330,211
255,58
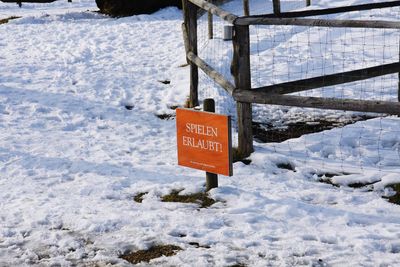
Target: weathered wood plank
x,y
276,5
212,73
330,80
185,40
190,20
334,10
251,96
246,8
223,14
210,25
318,22
241,72
398,88
211,178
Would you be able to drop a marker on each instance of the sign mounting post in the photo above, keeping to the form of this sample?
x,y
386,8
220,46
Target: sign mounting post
x,y
211,178
204,142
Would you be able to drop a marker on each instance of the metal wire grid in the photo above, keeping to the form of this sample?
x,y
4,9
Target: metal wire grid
x,y
287,53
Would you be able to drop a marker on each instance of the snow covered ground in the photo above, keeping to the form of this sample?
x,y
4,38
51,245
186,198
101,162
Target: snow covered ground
x,y
72,157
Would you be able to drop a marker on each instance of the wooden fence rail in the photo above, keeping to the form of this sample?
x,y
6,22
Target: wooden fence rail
x,y
213,9
211,72
331,79
258,97
333,10
377,24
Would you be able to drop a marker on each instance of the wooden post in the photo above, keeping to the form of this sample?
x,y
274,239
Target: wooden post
x,y
184,8
186,41
308,2
276,6
211,178
246,8
190,18
398,89
241,71
210,24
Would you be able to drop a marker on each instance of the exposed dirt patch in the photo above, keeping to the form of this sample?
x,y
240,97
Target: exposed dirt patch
x,y
245,161
331,174
197,245
165,116
328,181
326,178
164,81
200,198
360,185
267,133
173,107
139,197
286,166
395,199
151,253
238,157
6,20
129,107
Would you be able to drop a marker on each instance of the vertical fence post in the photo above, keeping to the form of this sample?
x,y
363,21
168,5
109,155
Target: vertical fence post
x,y
210,24
276,6
246,8
190,18
308,2
241,71
211,178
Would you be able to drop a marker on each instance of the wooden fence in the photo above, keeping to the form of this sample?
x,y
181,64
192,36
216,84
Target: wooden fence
x,y
242,91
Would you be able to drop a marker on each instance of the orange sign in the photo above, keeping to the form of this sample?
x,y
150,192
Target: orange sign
x,y
204,141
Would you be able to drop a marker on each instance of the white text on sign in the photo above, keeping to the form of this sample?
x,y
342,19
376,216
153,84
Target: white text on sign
x,y
199,143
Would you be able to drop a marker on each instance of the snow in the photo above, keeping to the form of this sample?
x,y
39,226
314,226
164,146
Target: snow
x,y
72,156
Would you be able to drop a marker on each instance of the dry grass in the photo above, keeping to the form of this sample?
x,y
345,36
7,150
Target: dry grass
x,y
395,199
200,198
151,253
266,133
6,20
139,197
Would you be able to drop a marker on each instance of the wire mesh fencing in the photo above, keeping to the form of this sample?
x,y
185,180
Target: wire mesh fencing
x,y
339,141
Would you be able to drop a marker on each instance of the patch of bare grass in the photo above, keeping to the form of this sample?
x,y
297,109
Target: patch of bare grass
x,y
151,253
395,199
200,198
6,20
266,133
237,156
139,197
